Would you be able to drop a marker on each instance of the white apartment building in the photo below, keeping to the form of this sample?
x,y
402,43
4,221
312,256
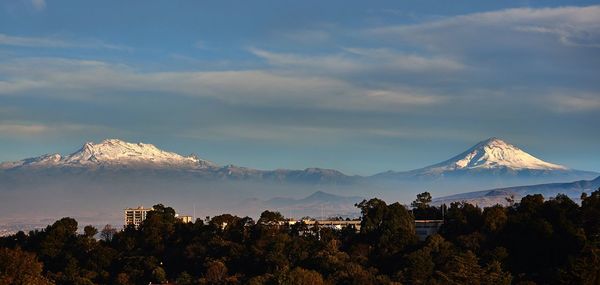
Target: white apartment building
x,y
135,216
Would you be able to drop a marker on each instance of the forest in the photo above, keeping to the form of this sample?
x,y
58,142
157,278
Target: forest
x,y
532,241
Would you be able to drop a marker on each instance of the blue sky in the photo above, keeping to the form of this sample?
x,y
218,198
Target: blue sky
x,y
360,86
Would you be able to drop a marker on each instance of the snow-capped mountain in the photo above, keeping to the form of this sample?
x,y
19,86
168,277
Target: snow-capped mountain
x,y
114,153
491,157
494,153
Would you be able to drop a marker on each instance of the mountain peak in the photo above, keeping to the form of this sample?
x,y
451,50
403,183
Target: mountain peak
x,y
320,195
494,153
494,140
119,152
115,152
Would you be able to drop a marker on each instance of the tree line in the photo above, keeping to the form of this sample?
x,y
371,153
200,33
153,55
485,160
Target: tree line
x,y
534,241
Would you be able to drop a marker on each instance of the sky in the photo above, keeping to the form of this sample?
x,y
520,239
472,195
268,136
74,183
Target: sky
x,y
358,86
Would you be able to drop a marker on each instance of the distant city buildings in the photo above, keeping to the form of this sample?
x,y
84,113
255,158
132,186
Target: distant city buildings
x,y
135,216
333,224
424,228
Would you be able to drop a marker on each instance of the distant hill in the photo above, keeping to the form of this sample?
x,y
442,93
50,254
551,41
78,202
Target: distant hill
x,y
499,196
318,204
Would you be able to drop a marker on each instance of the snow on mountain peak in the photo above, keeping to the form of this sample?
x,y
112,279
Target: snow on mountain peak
x,y
495,153
115,152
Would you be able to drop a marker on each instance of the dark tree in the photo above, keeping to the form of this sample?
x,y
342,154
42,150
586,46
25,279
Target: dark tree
x,y
590,208
422,202
373,212
270,218
422,210
535,241
89,231
107,233
20,268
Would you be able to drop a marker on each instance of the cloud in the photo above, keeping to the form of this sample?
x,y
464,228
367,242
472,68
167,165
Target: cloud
x,y
408,62
568,35
572,26
296,132
403,97
39,4
83,80
361,61
22,129
33,42
376,71
329,63
20,85
576,103
53,42
532,51
52,129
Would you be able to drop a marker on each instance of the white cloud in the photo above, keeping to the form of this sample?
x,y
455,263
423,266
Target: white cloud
x,y
33,128
22,129
402,97
573,26
54,42
38,4
33,42
408,62
361,60
329,63
79,80
576,103
19,85
568,35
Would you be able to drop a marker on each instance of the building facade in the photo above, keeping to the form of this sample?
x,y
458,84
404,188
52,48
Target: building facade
x,y
425,228
186,219
135,216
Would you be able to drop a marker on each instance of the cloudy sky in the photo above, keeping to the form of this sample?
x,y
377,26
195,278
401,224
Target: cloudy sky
x,y
358,86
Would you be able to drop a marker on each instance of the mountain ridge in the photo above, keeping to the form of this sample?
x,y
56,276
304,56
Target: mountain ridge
x,y
100,179
493,157
115,154
494,196
317,204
